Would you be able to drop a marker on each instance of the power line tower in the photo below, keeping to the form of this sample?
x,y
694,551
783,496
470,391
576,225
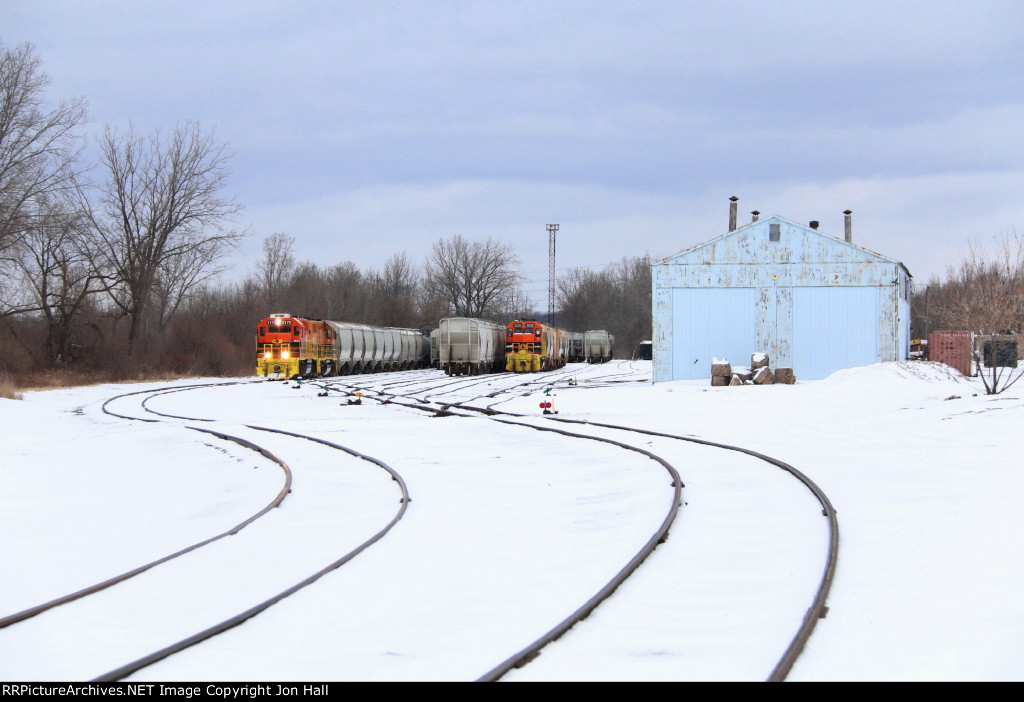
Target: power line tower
x,y
552,228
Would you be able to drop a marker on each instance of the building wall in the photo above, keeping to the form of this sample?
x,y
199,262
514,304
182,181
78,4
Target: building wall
x,y
812,302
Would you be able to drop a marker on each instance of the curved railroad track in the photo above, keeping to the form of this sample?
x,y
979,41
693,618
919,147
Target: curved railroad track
x,y
817,608
110,582
11,634
347,386
416,394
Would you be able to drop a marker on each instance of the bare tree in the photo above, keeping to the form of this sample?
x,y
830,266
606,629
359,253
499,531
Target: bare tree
x,y
39,148
395,291
277,264
472,278
163,222
51,269
617,299
985,295
400,277
345,293
634,320
584,298
924,307
515,304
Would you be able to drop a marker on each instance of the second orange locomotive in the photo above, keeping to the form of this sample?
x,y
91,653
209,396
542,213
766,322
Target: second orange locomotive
x,y
532,346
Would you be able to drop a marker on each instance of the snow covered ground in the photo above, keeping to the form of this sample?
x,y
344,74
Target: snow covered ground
x,y
509,530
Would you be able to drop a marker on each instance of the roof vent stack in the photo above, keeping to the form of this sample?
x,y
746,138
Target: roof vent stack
x,y
849,226
754,215
732,213
814,224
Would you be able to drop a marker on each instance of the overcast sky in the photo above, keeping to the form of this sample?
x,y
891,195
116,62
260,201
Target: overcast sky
x,y
367,128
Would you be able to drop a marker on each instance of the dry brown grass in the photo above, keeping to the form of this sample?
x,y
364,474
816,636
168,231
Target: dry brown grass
x,y
51,380
8,390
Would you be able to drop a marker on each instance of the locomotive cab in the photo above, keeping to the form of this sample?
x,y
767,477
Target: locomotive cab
x,y
277,346
526,347
288,347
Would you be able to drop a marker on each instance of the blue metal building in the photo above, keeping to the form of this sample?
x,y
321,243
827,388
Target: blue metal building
x,y
811,301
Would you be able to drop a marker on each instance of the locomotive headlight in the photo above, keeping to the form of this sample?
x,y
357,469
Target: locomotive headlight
x,y
284,354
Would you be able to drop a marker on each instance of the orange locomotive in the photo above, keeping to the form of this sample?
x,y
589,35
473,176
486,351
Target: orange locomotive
x,y
532,346
292,346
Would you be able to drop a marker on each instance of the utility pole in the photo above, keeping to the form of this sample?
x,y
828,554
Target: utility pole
x,y
552,228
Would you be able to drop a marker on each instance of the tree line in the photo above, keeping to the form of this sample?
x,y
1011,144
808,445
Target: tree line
x,y
112,267
103,255
984,293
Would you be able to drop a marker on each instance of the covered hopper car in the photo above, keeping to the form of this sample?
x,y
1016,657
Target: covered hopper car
x,y
598,346
467,346
576,354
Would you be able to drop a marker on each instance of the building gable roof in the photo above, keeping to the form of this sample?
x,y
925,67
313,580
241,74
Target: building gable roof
x,y
798,243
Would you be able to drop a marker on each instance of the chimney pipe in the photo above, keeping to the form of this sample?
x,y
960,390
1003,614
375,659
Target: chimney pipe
x,y
814,224
755,214
849,226
732,213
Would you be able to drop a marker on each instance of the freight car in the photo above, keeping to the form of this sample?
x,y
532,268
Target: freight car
x,y
290,347
467,346
575,354
598,346
532,346
644,351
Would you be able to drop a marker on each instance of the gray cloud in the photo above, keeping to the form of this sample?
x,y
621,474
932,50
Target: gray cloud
x,y
366,127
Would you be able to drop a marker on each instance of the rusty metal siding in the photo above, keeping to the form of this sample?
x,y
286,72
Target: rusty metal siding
x,y
661,329
903,303
952,348
776,272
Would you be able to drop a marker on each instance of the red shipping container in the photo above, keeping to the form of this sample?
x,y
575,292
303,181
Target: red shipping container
x,y
952,348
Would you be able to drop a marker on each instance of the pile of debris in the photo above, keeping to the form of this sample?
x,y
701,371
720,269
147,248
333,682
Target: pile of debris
x,y
759,373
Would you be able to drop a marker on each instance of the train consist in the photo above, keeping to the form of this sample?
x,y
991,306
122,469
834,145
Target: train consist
x,y
290,347
532,346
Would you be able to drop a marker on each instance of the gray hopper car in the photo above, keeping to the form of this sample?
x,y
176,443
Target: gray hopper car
x,y
467,346
361,348
598,346
576,354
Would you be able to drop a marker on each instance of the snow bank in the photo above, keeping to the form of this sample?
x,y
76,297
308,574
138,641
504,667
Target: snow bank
x,y
906,378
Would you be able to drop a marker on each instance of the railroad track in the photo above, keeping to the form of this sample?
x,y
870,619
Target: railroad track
x,y
817,608
76,610
439,386
402,393
672,497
